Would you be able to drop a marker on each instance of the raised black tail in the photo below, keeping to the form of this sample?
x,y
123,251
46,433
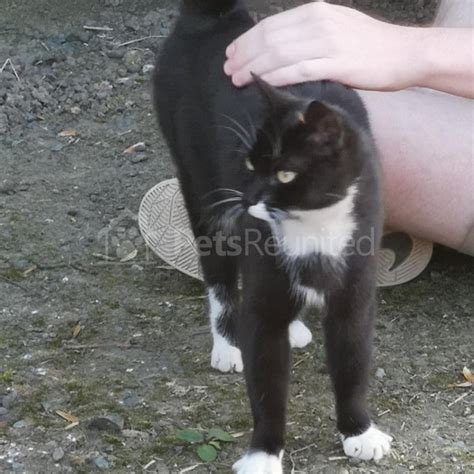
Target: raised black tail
x,y
210,7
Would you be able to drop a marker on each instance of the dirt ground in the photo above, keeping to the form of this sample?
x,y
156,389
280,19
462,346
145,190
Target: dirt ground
x,y
101,362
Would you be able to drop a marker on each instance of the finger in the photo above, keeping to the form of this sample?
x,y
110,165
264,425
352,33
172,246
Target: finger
x,y
280,57
259,39
305,71
259,36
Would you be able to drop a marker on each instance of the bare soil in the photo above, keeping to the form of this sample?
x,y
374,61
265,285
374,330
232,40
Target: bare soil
x,y
83,335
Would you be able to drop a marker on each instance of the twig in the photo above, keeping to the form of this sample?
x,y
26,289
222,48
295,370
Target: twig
x,y
120,345
464,395
296,451
384,412
190,468
303,359
9,61
98,28
337,458
138,40
149,464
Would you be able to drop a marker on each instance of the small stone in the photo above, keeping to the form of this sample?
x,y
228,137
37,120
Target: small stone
x,y
134,434
148,68
459,445
57,147
116,53
124,249
3,411
130,399
139,158
380,373
9,399
75,110
132,232
109,423
133,60
17,466
58,454
136,268
467,411
20,264
101,462
20,424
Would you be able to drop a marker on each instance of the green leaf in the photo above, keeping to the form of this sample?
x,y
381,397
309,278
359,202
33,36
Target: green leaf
x,y
207,453
190,436
220,435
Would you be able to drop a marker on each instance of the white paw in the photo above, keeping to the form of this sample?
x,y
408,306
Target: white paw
x,y
225,357
300,335
259,463
372,444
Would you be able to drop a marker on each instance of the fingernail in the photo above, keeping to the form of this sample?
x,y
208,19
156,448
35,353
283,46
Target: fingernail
x,y
230,50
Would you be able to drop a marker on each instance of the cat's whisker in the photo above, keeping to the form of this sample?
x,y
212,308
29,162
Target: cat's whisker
x,y
225,201
252,126
242,152
222,190
241,127
243,139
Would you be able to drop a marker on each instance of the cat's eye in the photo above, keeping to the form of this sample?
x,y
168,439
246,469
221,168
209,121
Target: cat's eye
x,y
286,177
249,164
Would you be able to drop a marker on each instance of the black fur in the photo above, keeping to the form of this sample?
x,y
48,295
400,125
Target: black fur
x,y
319,130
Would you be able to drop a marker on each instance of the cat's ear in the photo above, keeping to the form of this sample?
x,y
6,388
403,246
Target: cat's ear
x,y
324,123
275,97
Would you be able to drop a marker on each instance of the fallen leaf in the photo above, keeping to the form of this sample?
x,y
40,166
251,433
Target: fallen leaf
x,y
71,426
67,416
130,256
137,147
468,375
76,330
69,133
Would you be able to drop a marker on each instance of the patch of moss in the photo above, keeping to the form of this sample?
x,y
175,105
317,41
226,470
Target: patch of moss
x,y
441,380
12,274
111,439
39,323
7,375
382,403
30,407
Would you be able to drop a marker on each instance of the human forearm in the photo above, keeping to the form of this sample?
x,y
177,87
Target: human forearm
x,y
446,56
322,41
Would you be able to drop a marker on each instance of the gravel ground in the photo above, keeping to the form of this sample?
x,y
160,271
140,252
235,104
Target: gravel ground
x,y
102,361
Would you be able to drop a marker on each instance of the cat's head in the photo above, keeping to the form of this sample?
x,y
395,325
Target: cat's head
x,y
306,156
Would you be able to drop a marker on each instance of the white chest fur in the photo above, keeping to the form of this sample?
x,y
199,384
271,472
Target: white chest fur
x,y
325,231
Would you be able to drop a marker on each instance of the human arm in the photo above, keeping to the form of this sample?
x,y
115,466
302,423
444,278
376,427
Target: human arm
x,y
322,41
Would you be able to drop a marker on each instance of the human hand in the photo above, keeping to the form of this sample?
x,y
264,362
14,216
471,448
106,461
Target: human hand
x,y
321,41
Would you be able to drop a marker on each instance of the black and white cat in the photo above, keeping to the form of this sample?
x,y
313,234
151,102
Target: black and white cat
x,y
282,190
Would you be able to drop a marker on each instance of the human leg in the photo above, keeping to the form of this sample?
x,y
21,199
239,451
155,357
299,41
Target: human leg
x,y
426,143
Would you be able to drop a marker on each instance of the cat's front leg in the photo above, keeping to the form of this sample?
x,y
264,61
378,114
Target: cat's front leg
x,y
266,312
348,333
225,356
